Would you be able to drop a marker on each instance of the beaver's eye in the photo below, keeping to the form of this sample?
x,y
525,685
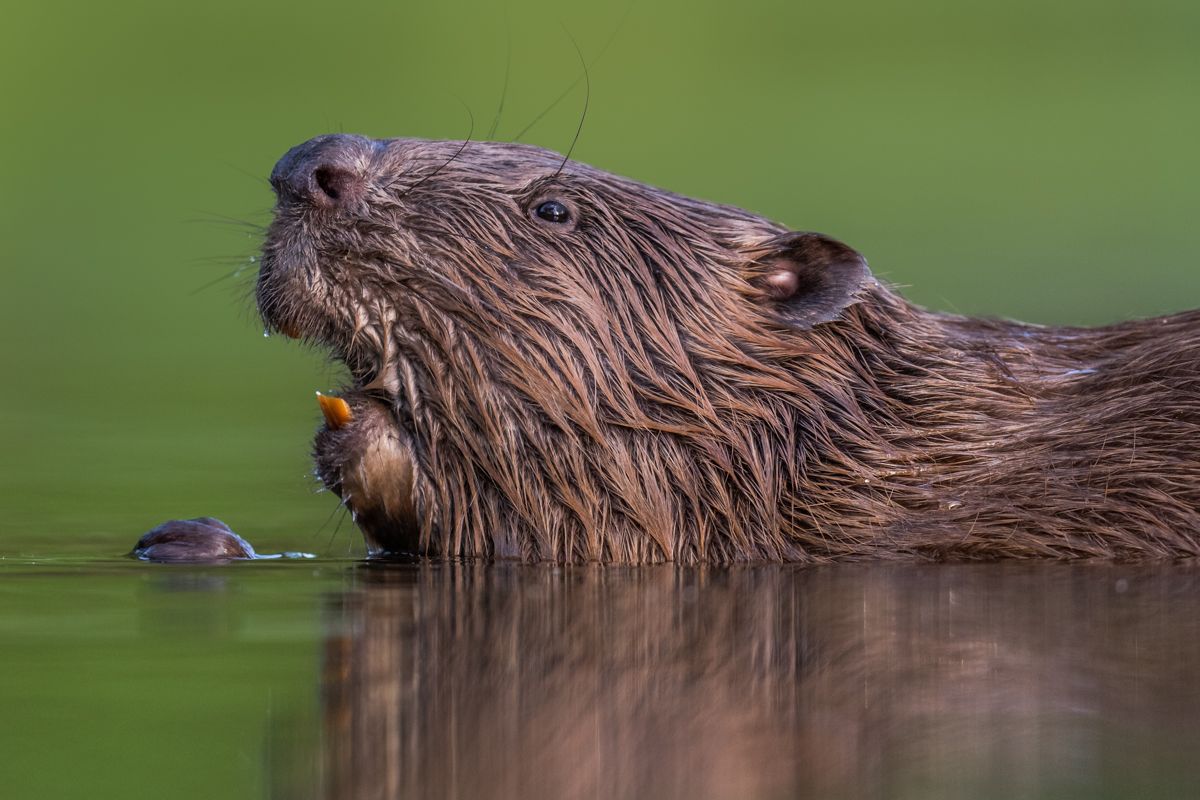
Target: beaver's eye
x,y
553,211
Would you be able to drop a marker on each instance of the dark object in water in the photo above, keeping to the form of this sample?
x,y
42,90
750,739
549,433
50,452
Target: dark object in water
x,y
553,362
200,539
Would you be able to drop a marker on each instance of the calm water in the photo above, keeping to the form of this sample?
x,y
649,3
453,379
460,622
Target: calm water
x,y
341,679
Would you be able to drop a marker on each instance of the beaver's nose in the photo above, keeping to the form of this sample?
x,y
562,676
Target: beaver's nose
x,y
326,172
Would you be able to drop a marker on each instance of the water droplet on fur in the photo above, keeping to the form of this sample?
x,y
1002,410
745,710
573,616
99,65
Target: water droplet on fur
x,y
950,505
266,333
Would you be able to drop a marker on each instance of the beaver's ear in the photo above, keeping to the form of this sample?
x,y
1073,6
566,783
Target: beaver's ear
x,y
810,278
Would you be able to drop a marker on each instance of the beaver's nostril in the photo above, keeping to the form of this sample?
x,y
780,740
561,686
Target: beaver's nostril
x,y
334,181
328,171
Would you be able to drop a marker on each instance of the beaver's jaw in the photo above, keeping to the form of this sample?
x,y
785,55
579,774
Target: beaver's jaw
x,y
308,296
361,452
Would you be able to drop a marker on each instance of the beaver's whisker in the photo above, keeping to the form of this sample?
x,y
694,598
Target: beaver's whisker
x,y
237,273
562,96
457,153
211,218
258,179
328,519
587,98
342,507
491,134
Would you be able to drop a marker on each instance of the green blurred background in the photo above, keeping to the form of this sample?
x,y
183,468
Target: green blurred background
x,y
1025,159
1022,159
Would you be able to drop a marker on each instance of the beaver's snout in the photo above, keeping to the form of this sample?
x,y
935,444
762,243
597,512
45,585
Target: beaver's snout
x,y
325,172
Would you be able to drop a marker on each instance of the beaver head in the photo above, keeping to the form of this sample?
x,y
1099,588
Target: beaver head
x,y
552,362
574,362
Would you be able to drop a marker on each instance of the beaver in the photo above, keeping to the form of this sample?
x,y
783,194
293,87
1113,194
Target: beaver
x,y
551,362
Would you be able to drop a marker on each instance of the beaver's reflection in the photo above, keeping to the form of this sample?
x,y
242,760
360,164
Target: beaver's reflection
x,y
506,681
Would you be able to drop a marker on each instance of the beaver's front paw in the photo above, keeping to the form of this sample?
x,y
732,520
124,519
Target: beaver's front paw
x,y
204,539
362,457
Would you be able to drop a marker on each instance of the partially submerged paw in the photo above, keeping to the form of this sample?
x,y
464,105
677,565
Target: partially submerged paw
x,y
204,539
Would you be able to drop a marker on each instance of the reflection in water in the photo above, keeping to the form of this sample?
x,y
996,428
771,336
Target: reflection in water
x,y
983,681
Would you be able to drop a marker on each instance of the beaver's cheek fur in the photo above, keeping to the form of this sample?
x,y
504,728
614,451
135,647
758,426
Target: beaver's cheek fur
x,y
367,462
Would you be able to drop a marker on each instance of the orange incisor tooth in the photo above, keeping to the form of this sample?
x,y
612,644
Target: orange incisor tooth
x,y
336,411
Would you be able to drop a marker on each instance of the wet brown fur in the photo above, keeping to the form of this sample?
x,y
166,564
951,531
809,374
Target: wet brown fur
x,y
623,388
203,539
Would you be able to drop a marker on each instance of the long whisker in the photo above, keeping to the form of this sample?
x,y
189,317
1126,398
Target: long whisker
x,y
212,218
553,105
337,527
491,134
587,97
457,153
259,179
236,273
341,505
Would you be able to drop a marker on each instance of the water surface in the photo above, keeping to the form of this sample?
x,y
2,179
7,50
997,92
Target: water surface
x,y
341,679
